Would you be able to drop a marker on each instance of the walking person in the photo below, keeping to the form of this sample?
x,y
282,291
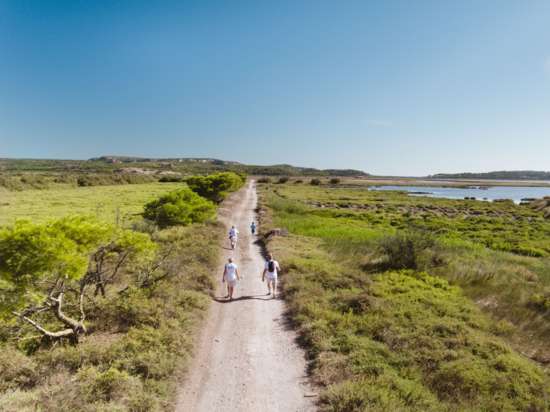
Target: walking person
x,y
233,236
253,228
231,276
270,272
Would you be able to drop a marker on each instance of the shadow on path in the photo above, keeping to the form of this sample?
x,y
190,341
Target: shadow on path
x,y
223,299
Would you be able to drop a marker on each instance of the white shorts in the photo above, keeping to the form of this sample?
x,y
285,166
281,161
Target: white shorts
x,y
232,283
271,278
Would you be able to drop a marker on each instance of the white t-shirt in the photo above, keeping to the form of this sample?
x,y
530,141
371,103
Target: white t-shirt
x,y
230,272
233,232
275,271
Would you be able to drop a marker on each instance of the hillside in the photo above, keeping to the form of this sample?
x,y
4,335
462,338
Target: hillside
x,y
499,175
183,166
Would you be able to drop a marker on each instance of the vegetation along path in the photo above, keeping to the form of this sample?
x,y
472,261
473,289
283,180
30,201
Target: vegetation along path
x,y
247,358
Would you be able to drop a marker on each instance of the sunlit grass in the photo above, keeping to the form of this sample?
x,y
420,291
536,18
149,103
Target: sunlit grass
x,y
104,202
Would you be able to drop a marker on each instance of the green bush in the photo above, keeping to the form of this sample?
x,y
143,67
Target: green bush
x,y
170,179
334,181
264,179
315,182
283,179
215,187
180,207
112,384
403,249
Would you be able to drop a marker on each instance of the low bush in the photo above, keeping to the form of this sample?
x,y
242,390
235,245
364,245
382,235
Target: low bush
x,y
403,250
171,178
264,180
283,179
334,181
180,207
113,179
315,182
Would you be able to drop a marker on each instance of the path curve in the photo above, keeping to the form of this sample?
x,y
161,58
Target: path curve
x,y
246,359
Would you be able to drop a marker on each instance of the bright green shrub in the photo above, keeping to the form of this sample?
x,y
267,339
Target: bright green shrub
x,y
215,187
180,207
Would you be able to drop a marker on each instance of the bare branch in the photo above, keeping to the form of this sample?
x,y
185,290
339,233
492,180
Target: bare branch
x,y
55,335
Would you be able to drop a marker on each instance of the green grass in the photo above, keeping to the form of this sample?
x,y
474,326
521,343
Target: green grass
x,y
441,338
100,201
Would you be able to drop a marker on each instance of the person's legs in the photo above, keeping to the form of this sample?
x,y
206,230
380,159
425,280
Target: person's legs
x,y
274,281
268,286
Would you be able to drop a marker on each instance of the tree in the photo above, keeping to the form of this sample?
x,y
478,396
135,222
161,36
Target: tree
x,y
47,268
180,207
215,187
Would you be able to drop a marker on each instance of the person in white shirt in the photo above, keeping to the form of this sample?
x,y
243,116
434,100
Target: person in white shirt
x,y
233,236
271,270
230,275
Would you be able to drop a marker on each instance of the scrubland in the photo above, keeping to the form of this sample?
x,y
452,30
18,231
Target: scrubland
x,y
415,304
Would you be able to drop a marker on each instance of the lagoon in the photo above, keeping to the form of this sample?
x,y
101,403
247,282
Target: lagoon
x,y
515,193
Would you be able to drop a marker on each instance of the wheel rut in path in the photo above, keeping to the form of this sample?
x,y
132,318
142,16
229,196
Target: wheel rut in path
x,y
247,359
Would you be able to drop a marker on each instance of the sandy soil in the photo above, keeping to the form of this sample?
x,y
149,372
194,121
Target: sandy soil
x,y
247,358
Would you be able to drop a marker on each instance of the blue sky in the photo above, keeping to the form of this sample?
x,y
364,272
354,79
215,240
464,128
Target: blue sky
x,y
390,87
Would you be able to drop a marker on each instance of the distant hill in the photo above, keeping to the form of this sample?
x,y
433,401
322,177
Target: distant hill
x,y
183,165
206,163
501,175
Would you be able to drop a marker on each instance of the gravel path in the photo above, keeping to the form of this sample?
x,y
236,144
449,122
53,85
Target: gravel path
x,y
247,358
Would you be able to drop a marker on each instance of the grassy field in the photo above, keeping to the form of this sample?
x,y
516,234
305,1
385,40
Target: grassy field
x,y
451,330
104,202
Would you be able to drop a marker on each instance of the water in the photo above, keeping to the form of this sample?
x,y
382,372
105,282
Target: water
x,y
515,193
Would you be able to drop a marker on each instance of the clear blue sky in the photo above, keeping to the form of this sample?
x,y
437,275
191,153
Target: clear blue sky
x,y
390,87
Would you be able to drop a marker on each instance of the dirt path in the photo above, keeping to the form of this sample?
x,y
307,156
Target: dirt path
x,y
247,359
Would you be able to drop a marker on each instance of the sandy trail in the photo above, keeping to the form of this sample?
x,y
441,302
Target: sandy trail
x,y
247,359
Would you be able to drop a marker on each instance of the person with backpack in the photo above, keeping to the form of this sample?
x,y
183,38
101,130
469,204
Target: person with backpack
x,y
271,271
231,276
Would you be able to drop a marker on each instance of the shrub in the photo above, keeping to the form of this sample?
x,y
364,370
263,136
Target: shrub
x,y
180,207
171,178
403,249
334,181
283,179
16,370
111,384
215,187
315,182
298,181
264,180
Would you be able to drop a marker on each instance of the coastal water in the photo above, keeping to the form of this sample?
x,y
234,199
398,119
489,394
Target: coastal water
x,y
514,193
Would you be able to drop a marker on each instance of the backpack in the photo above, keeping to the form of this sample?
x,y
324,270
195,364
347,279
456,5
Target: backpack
x,y
271,266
